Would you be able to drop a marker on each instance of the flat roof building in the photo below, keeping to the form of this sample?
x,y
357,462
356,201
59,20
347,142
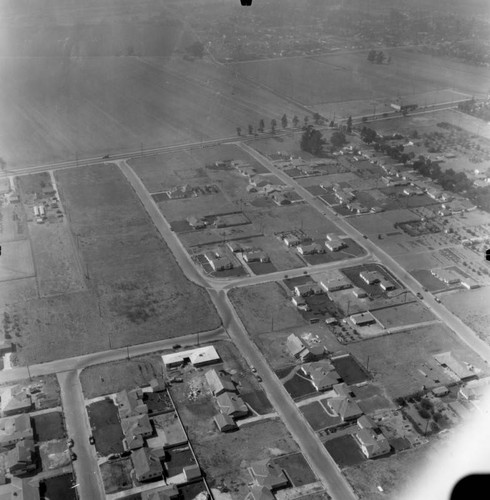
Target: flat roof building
x,y
197,357
335,285
446,360
363,319
371,277
219,382
447,276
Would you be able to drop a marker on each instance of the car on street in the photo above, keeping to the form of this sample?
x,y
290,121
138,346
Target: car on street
x,y
254,370
259,378
70,443
419,295
73,456
91,440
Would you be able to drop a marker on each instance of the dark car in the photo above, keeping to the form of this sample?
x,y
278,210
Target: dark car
x,y
73,456
419,295
91,440
70,443
105,157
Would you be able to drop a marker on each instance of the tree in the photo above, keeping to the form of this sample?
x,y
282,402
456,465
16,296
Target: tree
x,y
284,121
317,117
238,131
250,130
306,120
338,139
261,125
273,125
295,121
371,55
312,141
368,135
349,125
380,57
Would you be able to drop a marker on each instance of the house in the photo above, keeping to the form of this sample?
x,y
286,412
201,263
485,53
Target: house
x,y
291,240
387,285
281,199
20,459
304,290
470,283
336,284
197,357
219,382
322,374
247,171
299,301
474,389
446,360
256,256
234,246
196,222
232,405
301,350
310,249
20,489
342,389
440,391
345,407
363,319
220,263
330,320
335,245
146,466
167,492
259,493
169,429
14,198
191,473
370,277
265,473
135,430
447,276
14,429
130,403
359,293
224,423
372,443
13,400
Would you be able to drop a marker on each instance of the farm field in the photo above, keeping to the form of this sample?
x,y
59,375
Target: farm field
x,y
265,307
12,223
337,78
134,283
64,105
471,306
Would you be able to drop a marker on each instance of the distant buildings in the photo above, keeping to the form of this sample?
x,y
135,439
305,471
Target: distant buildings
x,y
448,276
370,438
197,357
14,399
303,351
335,285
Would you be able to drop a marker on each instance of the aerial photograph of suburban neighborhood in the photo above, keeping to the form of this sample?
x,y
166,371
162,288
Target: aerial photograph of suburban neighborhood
x,y
244,248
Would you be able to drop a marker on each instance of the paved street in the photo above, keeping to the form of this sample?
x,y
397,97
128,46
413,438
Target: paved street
x,y
87,472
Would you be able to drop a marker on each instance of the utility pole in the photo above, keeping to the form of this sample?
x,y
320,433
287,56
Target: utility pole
x,y
367,364
127,351
198,338
29,372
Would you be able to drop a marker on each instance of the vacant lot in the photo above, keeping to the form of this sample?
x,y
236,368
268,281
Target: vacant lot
x,y
135,285
226,457
16,262
472,307
264,308
106,428
49,426
404,314
394,360
116,475
108,378
350,370
317,416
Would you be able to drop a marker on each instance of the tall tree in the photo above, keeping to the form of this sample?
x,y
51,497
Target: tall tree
x,y
295,121
261,125
273,125
349,125
284,121
250,130
371,57
338,139
317,117
380,57
312,141
238,131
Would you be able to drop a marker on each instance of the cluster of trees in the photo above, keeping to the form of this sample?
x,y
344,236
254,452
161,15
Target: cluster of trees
x,y
313,141
480,110
378,57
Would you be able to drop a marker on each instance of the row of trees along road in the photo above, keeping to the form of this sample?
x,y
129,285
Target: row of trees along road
x,y
295,122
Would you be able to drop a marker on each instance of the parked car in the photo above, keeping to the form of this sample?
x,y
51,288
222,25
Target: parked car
x,y
254,370
70,443
73,456
259,378
91,440
419,295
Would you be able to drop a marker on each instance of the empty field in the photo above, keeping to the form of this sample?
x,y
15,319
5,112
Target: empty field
x,y
16,261
264,308
136,291
106,429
